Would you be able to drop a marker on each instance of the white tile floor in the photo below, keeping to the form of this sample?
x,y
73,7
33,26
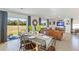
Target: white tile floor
x,y
68,43
12,45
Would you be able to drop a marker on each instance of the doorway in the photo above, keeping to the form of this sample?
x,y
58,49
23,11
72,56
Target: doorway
x,y
75,26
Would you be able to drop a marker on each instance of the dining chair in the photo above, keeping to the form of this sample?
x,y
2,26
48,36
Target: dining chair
x,y
23,41
42,47
30,46
51,48
26,44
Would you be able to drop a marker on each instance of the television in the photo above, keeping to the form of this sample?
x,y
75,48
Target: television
x,y
60,23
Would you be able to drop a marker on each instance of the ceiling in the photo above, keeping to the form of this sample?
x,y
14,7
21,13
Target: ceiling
x,y
61,12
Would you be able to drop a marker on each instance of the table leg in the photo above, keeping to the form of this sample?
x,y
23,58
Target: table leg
x,y
36,47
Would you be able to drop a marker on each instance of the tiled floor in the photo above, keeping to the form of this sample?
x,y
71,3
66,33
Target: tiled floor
x,y
12,45
68,43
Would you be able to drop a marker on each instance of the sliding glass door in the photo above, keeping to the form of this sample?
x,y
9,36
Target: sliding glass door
x,y
22,25
12,27
15,26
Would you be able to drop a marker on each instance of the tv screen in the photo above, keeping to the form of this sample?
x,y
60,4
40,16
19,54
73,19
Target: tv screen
x,y
60,23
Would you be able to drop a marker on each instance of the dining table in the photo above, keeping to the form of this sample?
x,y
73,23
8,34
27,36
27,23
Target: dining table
x,y
40,39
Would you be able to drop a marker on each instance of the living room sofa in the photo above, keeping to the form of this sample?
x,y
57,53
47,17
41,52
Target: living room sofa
x,y
51,32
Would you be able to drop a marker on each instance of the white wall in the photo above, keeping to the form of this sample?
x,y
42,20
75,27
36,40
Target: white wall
x,y
44,20
52,25
67,25
76,21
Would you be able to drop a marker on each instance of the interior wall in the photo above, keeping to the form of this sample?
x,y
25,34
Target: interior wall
x,y
52,21
76,21
44,21
67,25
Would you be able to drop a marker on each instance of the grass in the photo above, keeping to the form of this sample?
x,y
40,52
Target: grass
x,y
13,29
